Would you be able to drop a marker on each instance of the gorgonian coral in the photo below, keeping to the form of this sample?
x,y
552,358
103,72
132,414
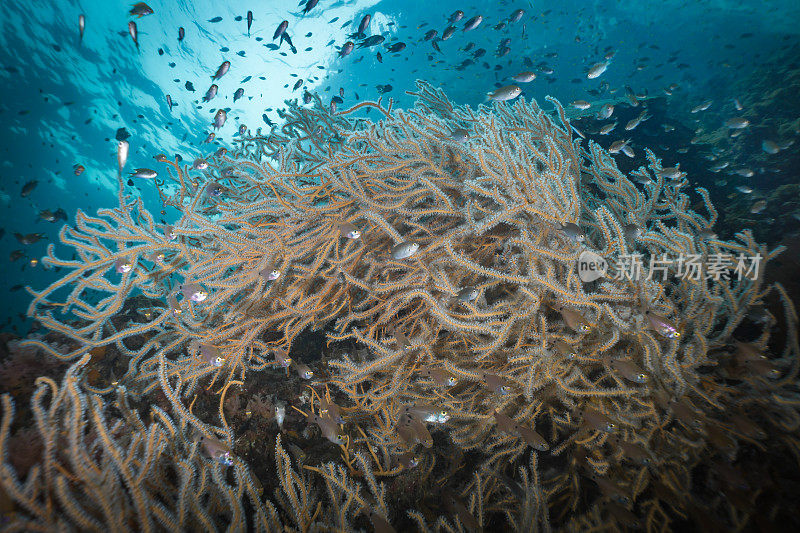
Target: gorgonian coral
x,y
446,241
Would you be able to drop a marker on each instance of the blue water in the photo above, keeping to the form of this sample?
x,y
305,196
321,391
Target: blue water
x,y
64,99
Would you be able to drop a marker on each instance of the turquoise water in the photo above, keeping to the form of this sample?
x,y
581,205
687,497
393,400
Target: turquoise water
x,y
65,98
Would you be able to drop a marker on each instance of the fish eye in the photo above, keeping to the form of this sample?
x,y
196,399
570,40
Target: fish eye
x,y
452,381
584,328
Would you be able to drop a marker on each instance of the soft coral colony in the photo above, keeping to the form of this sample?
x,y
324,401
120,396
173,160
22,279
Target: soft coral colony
x,y
448,261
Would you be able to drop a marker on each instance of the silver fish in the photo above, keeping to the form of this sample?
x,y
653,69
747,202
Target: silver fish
x,y
134,33
605,130
281,29
459,134
219,118
122,155
211,93
702,107
144,173
404,250
473,23
524,77
770,147
467,294
616,146
222,70
509,92
346,49
597,70
737,123
573,231
606,111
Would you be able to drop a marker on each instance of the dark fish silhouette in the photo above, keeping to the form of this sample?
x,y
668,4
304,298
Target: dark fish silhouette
x,y
281,28
310,4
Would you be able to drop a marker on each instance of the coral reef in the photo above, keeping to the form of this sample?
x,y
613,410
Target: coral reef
x,y
467,359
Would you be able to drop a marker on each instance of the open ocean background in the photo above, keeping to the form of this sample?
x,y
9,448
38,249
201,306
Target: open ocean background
x,y
64,100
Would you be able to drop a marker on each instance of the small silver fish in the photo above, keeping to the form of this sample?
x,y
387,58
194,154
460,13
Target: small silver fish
x,y
702,107
304,372
509,92
605,111
597,70
222,70
123,266
632,231
211,93
270,274
194,292
573,232
737,123
281,29
632,124
81,24
524,77
670,173
770,147
616,146
459,134
404,250
122,155
473,23
758,207
219,118
346,48
134,33
605,130
144,173
216,450
349,231
467,294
